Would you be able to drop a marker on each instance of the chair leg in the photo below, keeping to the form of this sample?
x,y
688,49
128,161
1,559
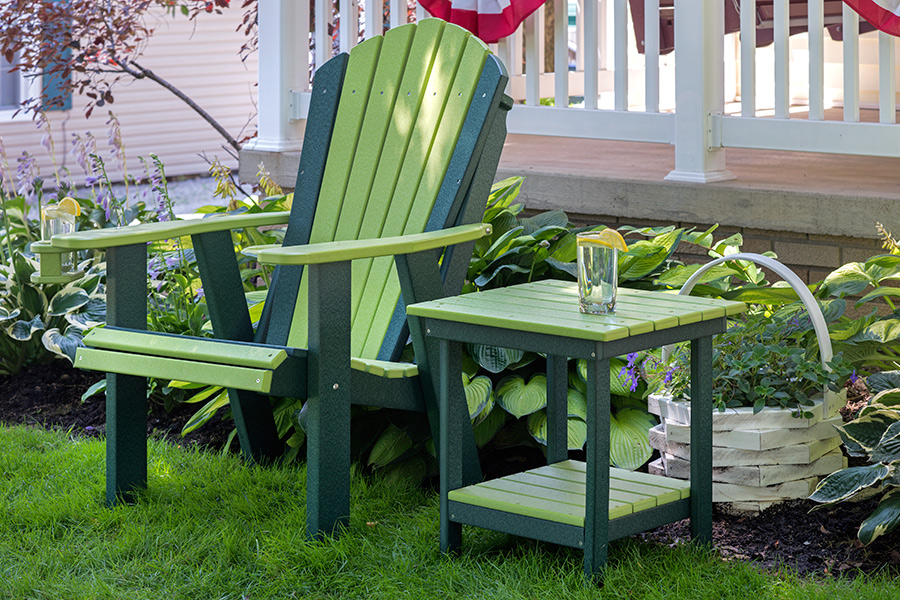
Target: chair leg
x,y
255,425
328,414
126,437
451,537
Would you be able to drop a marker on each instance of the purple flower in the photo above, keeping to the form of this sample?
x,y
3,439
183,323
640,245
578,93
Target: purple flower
x,y
91,180
200,294
670,374
26,173
853,377
80,152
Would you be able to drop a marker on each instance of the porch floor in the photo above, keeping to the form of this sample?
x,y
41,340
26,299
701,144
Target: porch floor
x,y
806,193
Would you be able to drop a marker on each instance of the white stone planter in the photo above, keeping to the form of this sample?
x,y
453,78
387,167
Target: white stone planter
x,y
758,460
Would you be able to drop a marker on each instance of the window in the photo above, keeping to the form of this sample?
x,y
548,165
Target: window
x,y
10,86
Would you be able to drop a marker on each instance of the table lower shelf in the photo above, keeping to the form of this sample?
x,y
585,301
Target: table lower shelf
x,y
551,499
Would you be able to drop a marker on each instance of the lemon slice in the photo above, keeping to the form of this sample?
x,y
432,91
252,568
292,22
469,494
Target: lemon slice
x,y
69,206
609,238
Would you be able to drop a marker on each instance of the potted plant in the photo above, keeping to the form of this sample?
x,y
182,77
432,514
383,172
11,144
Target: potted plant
x,y
776,400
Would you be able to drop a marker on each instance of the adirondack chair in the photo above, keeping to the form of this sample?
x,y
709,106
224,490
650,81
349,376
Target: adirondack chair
x,y
402,143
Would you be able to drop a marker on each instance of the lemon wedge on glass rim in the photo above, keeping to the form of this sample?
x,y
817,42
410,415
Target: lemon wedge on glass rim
x,y
69,206
608,238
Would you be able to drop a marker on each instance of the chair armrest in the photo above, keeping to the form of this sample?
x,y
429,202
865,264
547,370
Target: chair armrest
x,y
329,252
153,232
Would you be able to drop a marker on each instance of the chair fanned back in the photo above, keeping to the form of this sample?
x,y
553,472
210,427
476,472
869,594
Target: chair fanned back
x,y
394,163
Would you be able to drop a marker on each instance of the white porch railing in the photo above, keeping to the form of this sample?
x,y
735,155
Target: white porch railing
x,y
601,87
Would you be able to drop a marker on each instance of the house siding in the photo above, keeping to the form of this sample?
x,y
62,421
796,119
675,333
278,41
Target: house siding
x,y
200,58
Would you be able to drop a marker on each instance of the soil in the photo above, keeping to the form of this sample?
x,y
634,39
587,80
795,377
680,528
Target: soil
x,y
788,536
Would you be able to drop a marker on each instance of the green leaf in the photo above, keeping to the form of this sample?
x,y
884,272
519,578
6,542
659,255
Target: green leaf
x,y
762,295
6,315
488,428
551,218
843,484
676,277
23,330
885,380
411,471
868,429
879,292
391,445
576,404
67,300
883,519
887,398
63,344
629,444
848,280
478,394
494,358
642,258
202,416
576,430
203,394
569,268
888,448
882,332
97,388
92,314
520,399
618,384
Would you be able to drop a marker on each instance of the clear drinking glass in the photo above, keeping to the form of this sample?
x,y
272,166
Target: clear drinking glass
x,y
598,275
55,222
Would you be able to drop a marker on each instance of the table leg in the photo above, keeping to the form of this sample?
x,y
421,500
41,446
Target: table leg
x,y
701,440
449,460
596,510
557,409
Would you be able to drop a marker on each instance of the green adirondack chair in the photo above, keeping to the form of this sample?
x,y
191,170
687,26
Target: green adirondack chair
x,y
402,143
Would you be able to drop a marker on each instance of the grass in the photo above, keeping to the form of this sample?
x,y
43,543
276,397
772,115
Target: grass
x,y
212,527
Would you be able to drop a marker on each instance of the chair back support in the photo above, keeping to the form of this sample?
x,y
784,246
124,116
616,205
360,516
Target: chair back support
x,y
398,160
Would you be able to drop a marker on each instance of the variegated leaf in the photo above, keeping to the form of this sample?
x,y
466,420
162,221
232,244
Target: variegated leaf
x,y
206,412
868,429
92,314
494,358
488,428
883,519
6,315
63,344
23,330
576,430
843,484
888,449
478,394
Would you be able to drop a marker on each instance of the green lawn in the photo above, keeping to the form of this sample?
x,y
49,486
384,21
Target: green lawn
x,y
211,527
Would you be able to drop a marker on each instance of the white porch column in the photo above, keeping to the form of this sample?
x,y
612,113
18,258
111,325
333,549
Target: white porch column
x,y
699,90
283,56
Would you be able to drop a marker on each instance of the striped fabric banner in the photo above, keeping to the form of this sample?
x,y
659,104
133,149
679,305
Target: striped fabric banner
x,y
882,14
490,20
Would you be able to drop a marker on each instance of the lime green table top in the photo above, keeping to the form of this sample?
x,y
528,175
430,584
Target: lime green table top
x,y
551,307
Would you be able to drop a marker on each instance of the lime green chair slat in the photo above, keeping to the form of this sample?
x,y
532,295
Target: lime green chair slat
x,y
112,237
142,365
200,349
447,99
403,118
384,368
328,252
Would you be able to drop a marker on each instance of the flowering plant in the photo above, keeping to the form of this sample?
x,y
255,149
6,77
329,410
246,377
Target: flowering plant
x,y
763,359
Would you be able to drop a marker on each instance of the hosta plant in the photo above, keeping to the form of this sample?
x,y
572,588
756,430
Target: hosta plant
x,y
874,434
42,322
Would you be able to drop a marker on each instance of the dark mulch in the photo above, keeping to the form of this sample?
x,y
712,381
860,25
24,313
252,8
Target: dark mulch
x,y
50,396
788,536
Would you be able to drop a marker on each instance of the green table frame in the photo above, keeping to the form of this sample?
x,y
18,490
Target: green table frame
x,y
543,317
